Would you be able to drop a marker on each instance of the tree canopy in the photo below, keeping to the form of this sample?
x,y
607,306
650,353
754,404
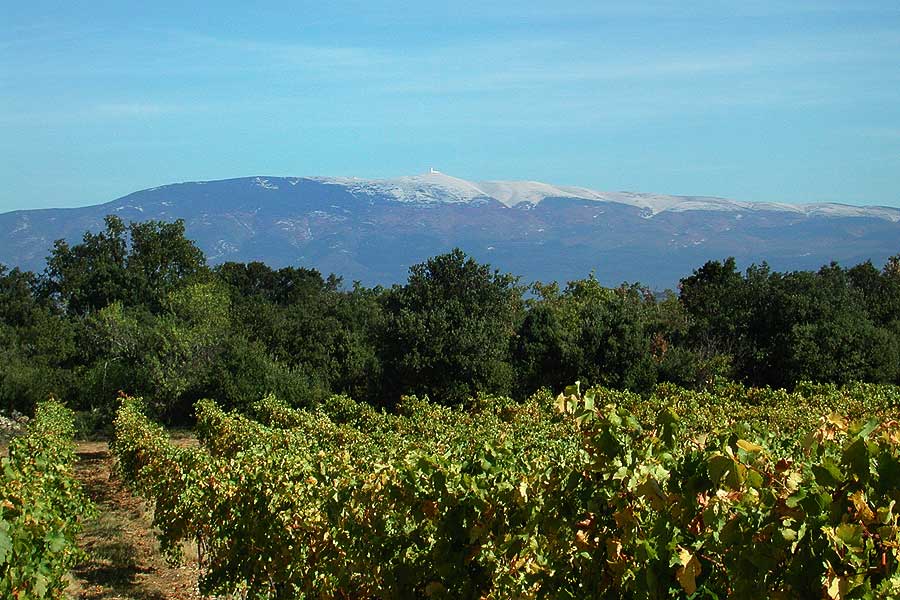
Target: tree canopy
x,y
134,308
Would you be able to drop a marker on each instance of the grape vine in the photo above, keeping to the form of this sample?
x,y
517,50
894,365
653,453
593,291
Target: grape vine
x,y
40,506
741,492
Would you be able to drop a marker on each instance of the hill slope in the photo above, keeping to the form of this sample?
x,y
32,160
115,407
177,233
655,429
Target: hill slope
x,y
373,230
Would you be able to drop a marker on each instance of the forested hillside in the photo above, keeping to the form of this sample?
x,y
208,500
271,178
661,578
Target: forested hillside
x,y
135,309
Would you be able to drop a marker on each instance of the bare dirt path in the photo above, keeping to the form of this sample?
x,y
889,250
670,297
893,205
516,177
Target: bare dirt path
x,y
123,558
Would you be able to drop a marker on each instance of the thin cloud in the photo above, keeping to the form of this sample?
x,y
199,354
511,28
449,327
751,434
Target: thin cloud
x,y
516,62
134,109
106,111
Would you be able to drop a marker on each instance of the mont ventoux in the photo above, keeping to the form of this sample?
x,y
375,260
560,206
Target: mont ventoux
x,y
372,230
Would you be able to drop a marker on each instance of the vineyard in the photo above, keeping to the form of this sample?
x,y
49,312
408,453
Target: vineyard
x,y
739,492
40,506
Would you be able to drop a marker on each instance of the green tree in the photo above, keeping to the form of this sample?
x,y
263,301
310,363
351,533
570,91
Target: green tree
x,y
38,360
284,287
834,321
161,259
587,333
138,264
547,350
18,301
448,330
308,325
90,275
184,345
892,267
167,358
713,297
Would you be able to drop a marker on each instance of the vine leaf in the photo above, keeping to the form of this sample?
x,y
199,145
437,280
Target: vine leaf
x,y
688,571
748,446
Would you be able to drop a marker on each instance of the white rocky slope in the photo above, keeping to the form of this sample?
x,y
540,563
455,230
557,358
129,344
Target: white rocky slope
x,y
436,187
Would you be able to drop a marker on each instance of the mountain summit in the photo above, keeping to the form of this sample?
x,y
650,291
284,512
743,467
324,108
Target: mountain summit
x,y
372,230
437,187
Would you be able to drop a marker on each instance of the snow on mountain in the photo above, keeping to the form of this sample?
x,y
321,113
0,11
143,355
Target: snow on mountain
x,y
264,183
373,229
844,210
511,193
439,188
436,187
431,187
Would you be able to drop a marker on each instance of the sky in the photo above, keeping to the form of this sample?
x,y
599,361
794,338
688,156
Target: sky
x,y
783,101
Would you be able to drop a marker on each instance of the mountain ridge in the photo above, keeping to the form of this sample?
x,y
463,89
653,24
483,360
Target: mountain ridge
x,y
513,192
374,229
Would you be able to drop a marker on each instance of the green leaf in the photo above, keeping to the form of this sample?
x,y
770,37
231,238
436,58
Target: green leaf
x,y
850,534
725,470
40,585
868,428
573,390
856,458
796,498
57,541
667,422
589,400
754,479
884,513
5,545
827,473
650,490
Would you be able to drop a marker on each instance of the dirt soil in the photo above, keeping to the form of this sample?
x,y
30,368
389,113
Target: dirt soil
x,y
123,557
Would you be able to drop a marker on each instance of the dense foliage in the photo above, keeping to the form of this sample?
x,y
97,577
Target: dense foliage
x,y
706,465
40,504
447,330
573,497
134,308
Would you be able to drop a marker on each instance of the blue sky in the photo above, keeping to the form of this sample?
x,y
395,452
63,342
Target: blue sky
x,y
793,101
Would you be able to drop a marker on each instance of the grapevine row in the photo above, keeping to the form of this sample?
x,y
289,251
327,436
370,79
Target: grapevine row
x,y
41,503
577,497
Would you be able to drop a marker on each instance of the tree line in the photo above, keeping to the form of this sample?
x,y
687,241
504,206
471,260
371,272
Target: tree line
x,y
136,309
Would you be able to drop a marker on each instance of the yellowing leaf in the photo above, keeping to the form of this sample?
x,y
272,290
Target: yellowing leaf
x,y
581,540
793,480
613,549
430,508
838,587
650,490
624,518
560,404
747,446
862,507
837,420
688,571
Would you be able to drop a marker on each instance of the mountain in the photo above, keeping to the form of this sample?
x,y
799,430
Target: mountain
x,y
373,230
